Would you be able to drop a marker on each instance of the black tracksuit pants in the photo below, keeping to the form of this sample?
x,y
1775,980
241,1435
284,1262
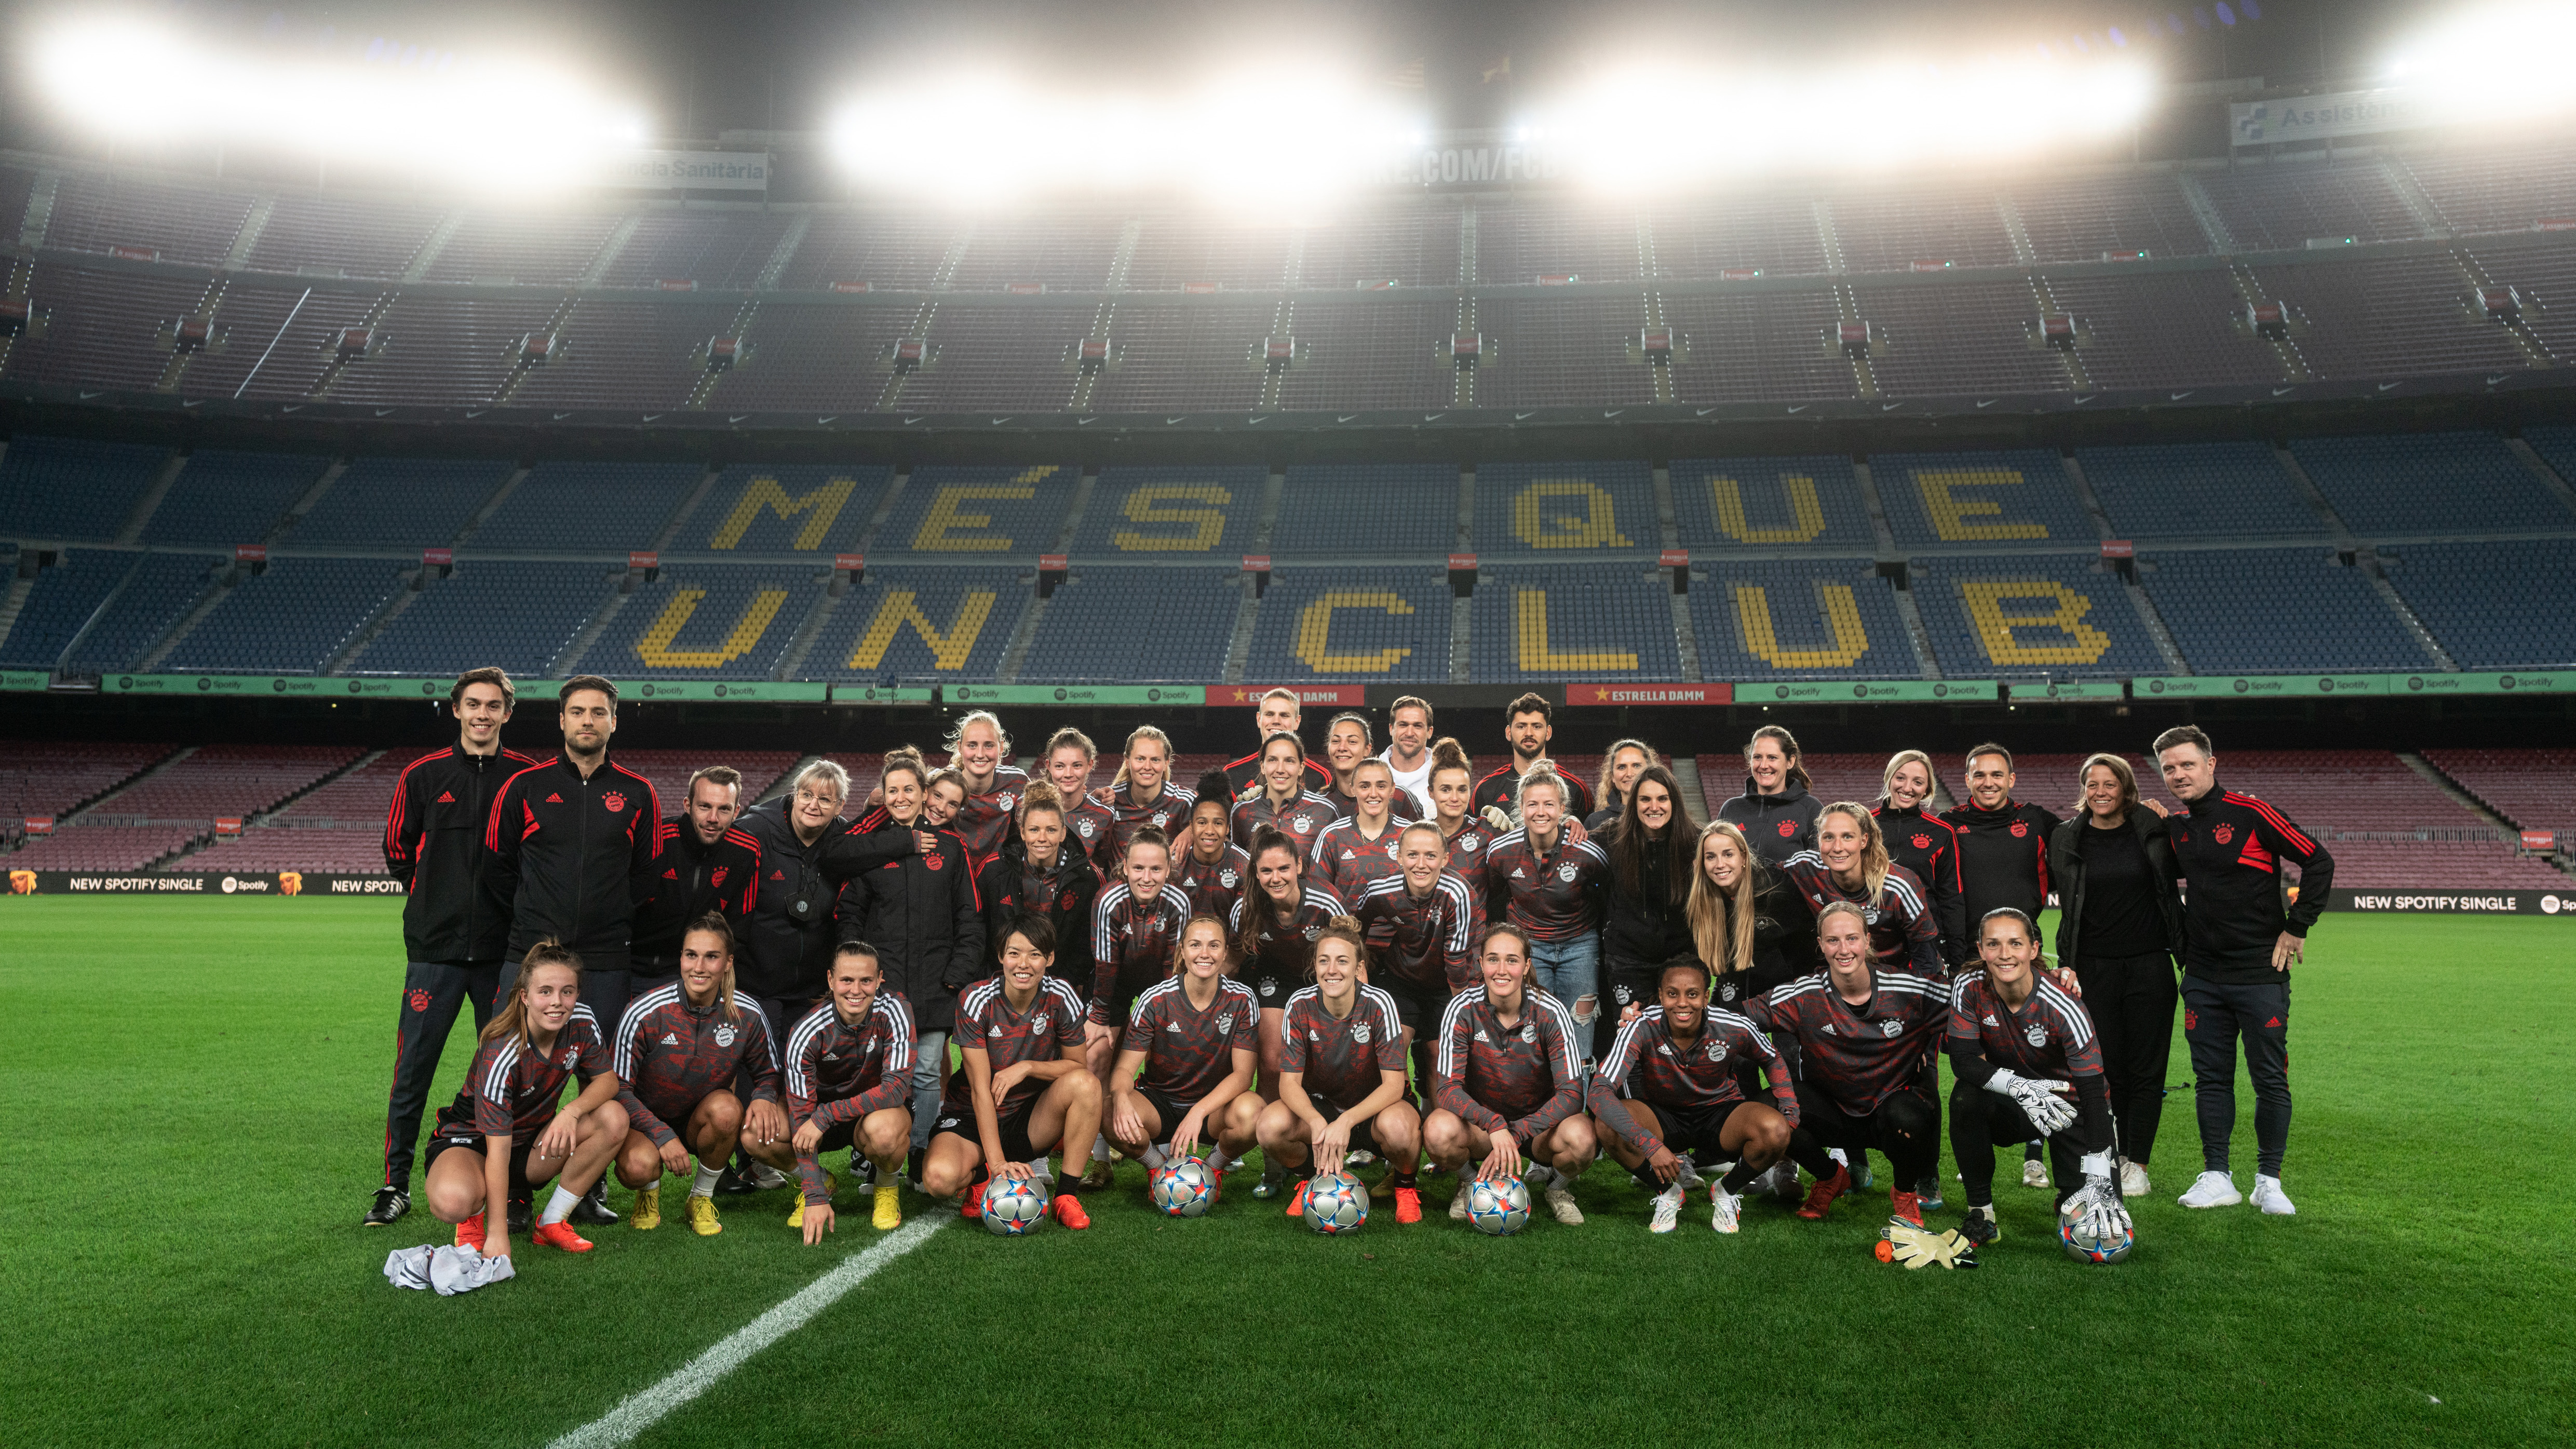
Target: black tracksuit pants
x,y
1907,1127
2215,1016
432,991
2131,1001
1979,1119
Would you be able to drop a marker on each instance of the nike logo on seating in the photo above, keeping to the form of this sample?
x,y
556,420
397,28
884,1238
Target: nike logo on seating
x,y
1345,418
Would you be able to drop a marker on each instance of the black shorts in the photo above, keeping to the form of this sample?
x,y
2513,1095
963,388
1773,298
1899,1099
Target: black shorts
x,y
1418,1004
1363,1139
1272,984
473,1142
1171,1110
1693,1131
1014,1124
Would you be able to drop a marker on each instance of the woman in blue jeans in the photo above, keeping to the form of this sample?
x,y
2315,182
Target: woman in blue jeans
x,y
1551,887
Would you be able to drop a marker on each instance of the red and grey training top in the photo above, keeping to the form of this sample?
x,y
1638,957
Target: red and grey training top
x,y
985,821
670,1055
840,1071
1131,941
1168,812
1427,940
1213,886
1340,1059
1858,1056
1049,1027
1286,949
1646,1064
1301,819
2050,1038
1344,857
1188,1049
512,1088
1903,935
1553,894
1523,1077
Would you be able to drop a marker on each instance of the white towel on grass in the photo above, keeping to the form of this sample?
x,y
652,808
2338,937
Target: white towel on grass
x,y
448,1268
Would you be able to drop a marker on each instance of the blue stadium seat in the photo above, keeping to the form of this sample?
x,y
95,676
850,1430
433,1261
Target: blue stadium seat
x,y
2032,614
289,620
1564,510
225,498
2420,483
1387,624
401,502
1769,503
1367,510
2198,490
2556,447
921,623
2493,605
610,507
518,616
980,513
706,621
62,600
2019,496
814,508
163,587
1178,513
2275,611
1828,619
1603,621
1138,626
66,490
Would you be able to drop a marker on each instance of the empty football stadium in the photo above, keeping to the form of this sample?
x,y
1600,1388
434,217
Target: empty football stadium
x,y
2156,416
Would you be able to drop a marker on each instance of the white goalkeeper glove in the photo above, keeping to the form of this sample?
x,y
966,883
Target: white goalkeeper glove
x,y
1497,817
2099,1211
2044,1108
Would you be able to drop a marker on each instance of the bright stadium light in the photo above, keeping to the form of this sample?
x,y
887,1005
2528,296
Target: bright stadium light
x,y
1662,125
502,124
2498,63
1284,135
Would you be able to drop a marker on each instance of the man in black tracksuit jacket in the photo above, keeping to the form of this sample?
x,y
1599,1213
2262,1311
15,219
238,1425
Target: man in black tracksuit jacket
x,y
694,873
2239,942
454,927
570,846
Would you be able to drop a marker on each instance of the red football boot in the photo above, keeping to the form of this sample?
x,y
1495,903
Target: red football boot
x,y
1908,1205
560,1235
1068,1211
973,1207
1408,1205
469,1233
1821,1196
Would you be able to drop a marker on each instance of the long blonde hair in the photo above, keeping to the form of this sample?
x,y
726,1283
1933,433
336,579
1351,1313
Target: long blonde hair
x,y
1873,851
1898,761
512,1018
1722,925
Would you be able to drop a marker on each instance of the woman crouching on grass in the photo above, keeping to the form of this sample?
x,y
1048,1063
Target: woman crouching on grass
x,y
502,1137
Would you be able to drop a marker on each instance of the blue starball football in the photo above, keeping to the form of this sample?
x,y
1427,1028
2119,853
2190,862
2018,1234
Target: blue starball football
x,y
1013,1206
1498,1209
1185,1189
1336,1202
2086,1247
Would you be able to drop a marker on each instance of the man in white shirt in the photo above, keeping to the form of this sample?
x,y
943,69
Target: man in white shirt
x,y
1408,751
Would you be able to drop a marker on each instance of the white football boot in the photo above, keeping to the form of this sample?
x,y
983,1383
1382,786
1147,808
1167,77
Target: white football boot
x,y
2212,1190
2133,1179
1668,1210
1725,1209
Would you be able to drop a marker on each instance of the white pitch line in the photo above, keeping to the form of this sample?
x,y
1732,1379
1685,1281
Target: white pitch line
x,y
640,1411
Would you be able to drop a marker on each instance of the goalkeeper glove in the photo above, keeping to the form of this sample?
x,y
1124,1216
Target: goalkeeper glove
x,y
1497,817
1915,1247
2043,1107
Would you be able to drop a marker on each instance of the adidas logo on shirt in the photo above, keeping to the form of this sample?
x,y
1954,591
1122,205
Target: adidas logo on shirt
x,y
1990,1019
446,797
554,799
1480,1036
1829,1030
1173,1027
996,1031
1519,874
670,1039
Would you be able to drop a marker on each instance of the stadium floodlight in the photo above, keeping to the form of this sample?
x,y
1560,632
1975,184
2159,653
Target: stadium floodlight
x,y
1662,125
1283,136
2497,63
500,124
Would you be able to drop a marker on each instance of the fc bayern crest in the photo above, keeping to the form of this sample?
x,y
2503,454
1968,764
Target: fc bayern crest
x,y
1890,1028
1565,872
2035,1034
616,803
1226,877
2222,833
1360,1032
1007,802
1467,840
1788,829
1529,1031
724,1034
1923,842
1162,818
1300,824
2020,828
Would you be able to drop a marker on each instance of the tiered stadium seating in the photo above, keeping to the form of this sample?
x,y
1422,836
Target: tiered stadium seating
x,y
1183,514
50,777
2282,208
2173,330
1411,246
628,354
304,324
518,616
66,490
102,847
2389,317
1564,510
2492,605
1318,624
1562,352
289,620
1790,621
2429,483
161,589
881,249
2555,445
980,512
1971,337
1757,347
227,498
442,351
2276,611
1776,236
1372,352
2197,490
1177,251
706,621
400,502
531,248
1889,231
721,251
373,237
338,827
1946,499
97,210
224,780
1536,622
1521,243
999,357
2443,864
1182,356
2493,189
2030,614
1413,510
1136,626
102,329
1067,252
2540,266
1760,503
2535,789
831,359
944,619
600,507
2083,218
814,508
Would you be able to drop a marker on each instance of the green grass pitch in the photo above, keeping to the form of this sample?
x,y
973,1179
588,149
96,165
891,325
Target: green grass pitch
x,y
192,1096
